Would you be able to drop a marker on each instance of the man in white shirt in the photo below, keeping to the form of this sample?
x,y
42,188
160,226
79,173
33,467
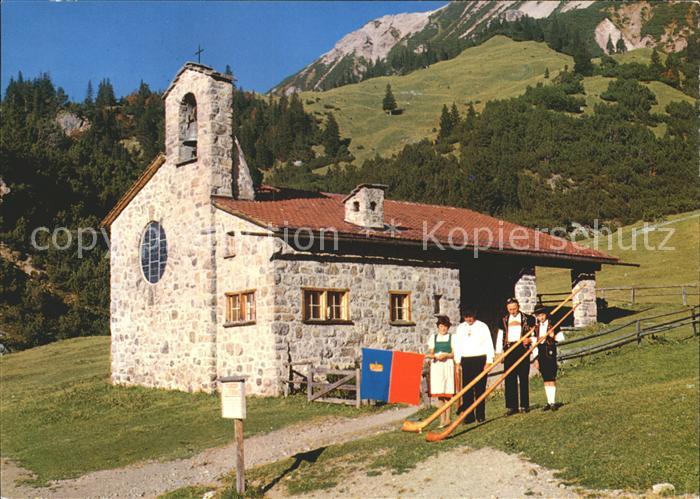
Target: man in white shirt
x,y
473,349
516,324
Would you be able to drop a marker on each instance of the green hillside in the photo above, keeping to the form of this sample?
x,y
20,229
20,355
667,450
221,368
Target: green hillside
x,y
498,69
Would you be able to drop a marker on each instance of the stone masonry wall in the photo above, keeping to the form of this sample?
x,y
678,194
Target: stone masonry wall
x,y
369,283
243,263
163,334
587,311
525,290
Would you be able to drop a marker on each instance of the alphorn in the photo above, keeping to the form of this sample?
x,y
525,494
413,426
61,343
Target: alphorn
x,y
434,437
418,426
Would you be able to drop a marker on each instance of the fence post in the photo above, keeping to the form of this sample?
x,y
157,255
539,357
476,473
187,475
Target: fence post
x,y
639,332
310,383
632,295
695,324
685,299
358,396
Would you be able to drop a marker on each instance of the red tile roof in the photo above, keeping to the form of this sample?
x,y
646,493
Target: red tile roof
x,y
448,225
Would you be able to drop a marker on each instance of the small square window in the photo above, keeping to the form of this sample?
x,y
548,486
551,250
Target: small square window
x,y
400,307
240,307
325,305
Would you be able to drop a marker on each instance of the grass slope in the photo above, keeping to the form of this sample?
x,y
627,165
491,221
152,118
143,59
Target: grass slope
x,y
61,418
500,68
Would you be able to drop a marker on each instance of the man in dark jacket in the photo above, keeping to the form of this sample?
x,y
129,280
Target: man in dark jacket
x,y
515,325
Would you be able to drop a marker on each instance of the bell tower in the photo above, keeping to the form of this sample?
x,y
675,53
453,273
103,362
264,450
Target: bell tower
x,y
198,126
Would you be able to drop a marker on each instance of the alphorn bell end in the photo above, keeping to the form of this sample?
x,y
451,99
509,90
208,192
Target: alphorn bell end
x,y
431,436
411,426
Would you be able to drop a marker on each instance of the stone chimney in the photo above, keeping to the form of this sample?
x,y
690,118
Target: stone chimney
x,y
242,181
364,206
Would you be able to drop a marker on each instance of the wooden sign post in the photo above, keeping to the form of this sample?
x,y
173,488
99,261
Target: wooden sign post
x,y
233,407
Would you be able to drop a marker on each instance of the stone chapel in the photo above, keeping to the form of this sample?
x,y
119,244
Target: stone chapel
x,y
211,277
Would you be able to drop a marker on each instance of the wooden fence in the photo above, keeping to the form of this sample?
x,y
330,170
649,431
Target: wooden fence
x,y
348,380
631,332
631,294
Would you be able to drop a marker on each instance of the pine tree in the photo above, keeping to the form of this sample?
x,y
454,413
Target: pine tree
x,y
656,66
546,73
105,94
582,57
446,124
389,102
620,46
331,137
610,48
89,94
454,116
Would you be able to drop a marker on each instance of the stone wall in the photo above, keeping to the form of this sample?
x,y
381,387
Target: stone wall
x,y
587,311
243,263
525,289
164,334
369,282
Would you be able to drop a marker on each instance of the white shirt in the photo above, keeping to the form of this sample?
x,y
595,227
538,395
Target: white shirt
x,y
541,330
472,341
515,329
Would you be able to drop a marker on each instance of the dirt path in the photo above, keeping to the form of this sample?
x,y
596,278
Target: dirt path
x,y
153,478
460,472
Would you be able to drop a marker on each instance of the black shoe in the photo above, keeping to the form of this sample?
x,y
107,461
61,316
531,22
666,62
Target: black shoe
x,y
511,412
524,410
480,421
555,407
548,407
469,420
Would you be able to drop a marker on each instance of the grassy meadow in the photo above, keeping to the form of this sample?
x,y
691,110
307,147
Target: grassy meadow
x,y
500,68
61,418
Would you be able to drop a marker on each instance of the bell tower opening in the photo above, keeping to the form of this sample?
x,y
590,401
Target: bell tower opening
x,y
188,129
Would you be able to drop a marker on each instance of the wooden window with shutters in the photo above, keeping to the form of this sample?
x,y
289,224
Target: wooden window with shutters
x,y
240,308
327,306
400,308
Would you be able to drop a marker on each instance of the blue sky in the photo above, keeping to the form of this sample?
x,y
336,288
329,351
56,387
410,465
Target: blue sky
x,y
129,41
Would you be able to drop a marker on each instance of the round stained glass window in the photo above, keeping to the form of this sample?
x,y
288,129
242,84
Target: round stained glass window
x,y
154,252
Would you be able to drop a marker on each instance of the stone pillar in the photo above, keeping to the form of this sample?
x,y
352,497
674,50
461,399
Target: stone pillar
x,y
525,290
587,312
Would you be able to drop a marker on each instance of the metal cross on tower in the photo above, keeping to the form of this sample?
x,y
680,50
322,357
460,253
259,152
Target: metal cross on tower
x,y
199,54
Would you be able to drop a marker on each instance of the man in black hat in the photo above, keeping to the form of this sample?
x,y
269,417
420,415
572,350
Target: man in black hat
x,y
516,324
546,355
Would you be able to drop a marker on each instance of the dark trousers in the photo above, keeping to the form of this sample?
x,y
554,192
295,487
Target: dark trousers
x,y
520,374
471,367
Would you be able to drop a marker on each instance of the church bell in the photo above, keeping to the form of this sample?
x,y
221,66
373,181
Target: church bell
x,y
191,137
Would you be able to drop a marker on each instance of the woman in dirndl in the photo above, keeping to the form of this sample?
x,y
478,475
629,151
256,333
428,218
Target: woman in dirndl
x,y
442,366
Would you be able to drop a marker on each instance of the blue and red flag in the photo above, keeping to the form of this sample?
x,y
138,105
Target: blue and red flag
x,y
389,376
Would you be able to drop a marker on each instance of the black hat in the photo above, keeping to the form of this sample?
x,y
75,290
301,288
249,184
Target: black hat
x,y
468,312
443,319
541,309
